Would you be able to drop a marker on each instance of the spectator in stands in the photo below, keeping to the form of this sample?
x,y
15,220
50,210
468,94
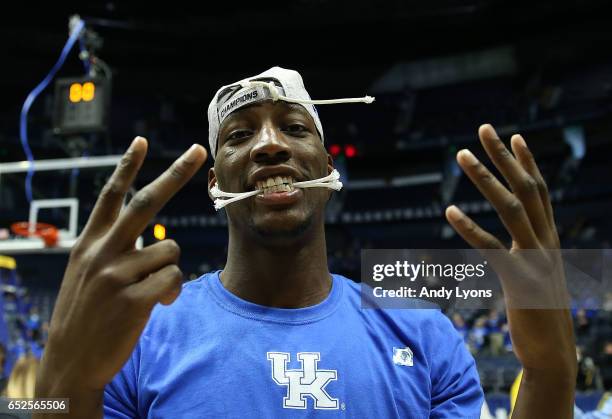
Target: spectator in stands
x,y
23,378
33,319
20,384
460,326
583,328
604,362
507,341
10,304
587,371
478,334
495,335
493,321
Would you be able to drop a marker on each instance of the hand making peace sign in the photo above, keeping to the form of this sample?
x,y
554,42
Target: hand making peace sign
x,y
109,287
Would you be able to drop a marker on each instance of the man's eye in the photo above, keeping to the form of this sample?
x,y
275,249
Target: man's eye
x,y
238,135
296,129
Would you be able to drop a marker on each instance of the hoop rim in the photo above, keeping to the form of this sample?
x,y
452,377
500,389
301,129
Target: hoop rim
x,y
48,232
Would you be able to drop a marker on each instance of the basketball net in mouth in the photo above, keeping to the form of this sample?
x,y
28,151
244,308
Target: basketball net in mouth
x,y
331,181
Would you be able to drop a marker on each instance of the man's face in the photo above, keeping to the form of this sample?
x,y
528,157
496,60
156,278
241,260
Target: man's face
x,y
261,142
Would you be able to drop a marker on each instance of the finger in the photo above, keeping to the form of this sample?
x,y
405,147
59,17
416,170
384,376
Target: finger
x,y
525,158
521,182
163,286
470,231
113,193
135,265
508,207
493,251
149,200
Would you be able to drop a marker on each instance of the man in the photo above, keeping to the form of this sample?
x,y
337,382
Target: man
x,y
275,334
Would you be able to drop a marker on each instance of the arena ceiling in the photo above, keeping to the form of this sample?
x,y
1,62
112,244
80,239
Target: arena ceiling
x,y
187,48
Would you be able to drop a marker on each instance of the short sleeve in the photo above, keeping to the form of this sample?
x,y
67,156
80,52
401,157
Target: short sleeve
x,y
456,390
121,395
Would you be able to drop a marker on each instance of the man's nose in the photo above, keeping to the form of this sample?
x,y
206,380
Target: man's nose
x,y
271,146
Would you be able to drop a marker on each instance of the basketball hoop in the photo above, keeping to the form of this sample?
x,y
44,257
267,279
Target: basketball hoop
x,y
47,238
47,232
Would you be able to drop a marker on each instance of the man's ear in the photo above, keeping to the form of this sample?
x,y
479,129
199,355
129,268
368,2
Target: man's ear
x,y
330,164
212,180
330,168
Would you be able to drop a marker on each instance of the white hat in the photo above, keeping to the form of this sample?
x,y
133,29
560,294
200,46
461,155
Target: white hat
x,y
274,84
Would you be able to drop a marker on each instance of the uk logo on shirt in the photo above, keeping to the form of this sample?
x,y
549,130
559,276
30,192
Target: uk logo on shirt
x,y
309,381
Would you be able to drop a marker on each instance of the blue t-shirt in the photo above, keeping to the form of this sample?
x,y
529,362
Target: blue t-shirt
x,y
212,354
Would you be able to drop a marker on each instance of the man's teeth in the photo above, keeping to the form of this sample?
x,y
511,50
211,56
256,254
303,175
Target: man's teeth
x,y
276,184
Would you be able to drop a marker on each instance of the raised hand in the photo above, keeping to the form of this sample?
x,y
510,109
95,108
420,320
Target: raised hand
x,y
109,287
531,271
